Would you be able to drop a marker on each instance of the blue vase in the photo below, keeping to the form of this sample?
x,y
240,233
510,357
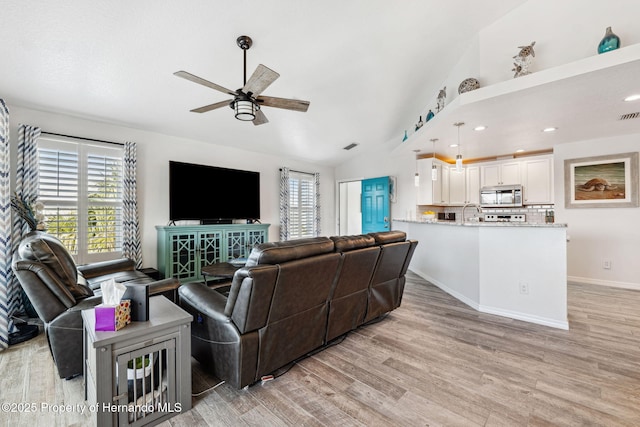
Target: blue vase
x,y
609,42
430,115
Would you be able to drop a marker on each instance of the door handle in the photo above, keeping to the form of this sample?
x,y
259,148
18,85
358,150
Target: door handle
x,y
386,219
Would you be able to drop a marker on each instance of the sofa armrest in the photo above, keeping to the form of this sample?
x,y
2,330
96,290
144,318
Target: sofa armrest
x,y
106,267
164,285
204,300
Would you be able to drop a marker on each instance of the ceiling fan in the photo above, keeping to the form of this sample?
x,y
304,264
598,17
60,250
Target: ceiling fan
x,y
247,101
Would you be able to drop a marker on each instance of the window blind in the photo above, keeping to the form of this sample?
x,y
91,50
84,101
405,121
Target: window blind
x,y
301,205
81,186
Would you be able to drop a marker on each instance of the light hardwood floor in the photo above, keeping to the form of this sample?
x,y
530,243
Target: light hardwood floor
x,y
433,361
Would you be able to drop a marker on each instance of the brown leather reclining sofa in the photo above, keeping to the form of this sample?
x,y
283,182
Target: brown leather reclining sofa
x,y
294,297
59,291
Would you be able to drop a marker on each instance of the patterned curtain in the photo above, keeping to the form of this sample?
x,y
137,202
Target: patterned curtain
x,y
27,185
6,274
316,208
131,245
26,173
284,204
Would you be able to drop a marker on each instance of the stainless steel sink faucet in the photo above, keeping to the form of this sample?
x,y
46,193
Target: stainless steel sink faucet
x,y
464,208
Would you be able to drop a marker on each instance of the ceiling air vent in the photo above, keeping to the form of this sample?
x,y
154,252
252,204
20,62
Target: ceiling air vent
x,y
350,146
630,116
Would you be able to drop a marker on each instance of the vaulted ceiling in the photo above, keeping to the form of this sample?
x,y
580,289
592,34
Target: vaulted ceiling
x,y
368,67
365,65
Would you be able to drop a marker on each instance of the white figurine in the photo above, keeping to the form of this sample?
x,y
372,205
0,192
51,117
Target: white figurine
x,y
441,97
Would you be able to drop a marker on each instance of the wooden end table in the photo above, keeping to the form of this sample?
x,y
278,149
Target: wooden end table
x,y
220,270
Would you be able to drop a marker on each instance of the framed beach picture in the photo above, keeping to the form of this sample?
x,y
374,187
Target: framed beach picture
x,y
601,182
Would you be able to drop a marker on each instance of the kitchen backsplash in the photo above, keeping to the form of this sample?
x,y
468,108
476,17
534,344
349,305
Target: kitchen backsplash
x,y
534,214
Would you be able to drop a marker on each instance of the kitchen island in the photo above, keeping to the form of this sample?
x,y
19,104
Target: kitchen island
x,y
516,270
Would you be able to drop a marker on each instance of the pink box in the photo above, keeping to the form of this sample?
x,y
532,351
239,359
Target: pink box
x,y
113,318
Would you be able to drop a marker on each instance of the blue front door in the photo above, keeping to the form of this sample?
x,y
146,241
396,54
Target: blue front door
x,y
375,204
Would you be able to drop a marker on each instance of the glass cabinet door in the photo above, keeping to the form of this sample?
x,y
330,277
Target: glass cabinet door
x,y
210,248
184,257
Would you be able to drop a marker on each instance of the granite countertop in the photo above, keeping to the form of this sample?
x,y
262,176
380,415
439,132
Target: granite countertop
x,y
484,224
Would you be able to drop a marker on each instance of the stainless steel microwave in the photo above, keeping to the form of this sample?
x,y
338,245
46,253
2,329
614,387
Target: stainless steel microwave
x,y
501,196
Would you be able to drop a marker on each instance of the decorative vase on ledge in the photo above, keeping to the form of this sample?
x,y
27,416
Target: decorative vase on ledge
x,y
609,42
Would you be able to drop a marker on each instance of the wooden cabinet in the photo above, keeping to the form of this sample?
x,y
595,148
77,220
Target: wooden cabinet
x,y
500,173
184,250
537,180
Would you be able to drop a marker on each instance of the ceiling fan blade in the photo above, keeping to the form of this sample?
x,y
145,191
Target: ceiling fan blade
x,y
287,104
260,118
201,81
261,78
212,106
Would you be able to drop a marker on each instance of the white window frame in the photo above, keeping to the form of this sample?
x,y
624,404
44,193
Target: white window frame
x,y
302,211
84,149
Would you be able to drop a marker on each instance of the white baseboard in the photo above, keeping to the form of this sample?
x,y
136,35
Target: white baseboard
x,y
610,283
497,311
526,317
450,291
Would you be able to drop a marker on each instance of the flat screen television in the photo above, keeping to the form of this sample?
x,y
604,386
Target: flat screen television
x,y
212,194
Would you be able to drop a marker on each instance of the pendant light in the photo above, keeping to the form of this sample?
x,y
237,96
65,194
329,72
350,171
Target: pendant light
x,y
434,168
459,156
416,178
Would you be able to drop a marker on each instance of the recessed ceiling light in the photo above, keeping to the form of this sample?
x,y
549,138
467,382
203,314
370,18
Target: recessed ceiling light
x,y
453,145
520,150
549,129
479,128
632,98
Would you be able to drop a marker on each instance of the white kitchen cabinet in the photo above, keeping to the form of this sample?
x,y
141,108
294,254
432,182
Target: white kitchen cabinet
x,y
431,192
457,186
537,180
472,184
500,173
464,186
425,187
442,190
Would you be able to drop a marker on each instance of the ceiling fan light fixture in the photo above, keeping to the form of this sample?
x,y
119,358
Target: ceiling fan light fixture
x,y
245,110
247,101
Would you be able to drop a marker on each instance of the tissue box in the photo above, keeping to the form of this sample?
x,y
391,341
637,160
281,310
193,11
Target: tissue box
x,y
113,317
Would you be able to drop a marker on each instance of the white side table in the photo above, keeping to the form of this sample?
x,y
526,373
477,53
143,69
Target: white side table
x,y
165,390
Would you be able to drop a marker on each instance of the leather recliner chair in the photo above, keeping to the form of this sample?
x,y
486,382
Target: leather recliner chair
x,y
292,298
59,291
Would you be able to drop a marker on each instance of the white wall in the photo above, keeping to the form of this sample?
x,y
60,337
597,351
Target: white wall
x,y
385,163
564,32
154,152
350,212
599,233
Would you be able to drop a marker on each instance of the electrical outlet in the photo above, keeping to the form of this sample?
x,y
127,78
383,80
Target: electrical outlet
x,y
606,264
524,288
